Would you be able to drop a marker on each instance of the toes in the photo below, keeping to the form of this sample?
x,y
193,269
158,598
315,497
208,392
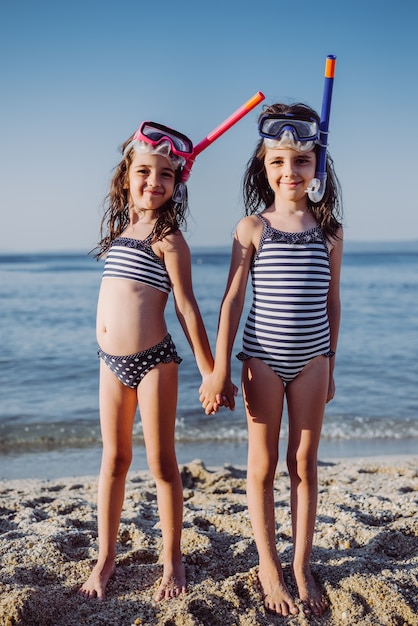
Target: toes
x,y
314,607
90,594
168,592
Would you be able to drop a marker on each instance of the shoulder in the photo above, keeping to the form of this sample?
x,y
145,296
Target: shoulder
x,y
336,242
172,243
246,241
249,230
335,247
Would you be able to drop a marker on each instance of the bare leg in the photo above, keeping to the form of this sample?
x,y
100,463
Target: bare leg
x,y
306,396
264,412
118,405
157,397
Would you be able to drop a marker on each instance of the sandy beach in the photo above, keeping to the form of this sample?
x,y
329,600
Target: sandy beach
x,y
365,554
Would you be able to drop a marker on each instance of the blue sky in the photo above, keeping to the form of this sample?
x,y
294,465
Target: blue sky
x,y
77,79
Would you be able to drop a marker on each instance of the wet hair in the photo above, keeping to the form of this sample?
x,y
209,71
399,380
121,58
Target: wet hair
x,y
171,217
258,194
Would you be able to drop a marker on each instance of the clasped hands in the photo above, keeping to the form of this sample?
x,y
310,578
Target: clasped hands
x,y
215,392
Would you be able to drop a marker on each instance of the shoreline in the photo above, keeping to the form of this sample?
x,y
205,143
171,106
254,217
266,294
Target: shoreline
x,y
365,552
71,462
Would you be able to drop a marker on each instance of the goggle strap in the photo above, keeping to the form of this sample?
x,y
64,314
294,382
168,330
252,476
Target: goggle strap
x,y
323,134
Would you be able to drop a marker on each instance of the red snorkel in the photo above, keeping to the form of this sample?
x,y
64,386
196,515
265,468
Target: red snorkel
x,y
220,130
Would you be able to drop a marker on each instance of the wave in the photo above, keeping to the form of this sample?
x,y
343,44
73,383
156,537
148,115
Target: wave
x,y
26,437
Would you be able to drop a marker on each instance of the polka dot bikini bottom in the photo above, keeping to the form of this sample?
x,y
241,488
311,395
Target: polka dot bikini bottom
x,y
131,369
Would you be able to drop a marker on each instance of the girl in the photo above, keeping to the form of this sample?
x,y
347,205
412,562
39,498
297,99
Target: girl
x,y
146,257
293,249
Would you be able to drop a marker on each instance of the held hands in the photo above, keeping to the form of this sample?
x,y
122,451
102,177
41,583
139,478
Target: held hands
x,y
216,391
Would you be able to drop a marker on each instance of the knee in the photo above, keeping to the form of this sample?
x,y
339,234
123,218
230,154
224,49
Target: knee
x,y
263,469
163,467
117,463
302,464
302,467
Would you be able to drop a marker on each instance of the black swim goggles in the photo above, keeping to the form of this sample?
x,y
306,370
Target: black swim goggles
x,y
273,125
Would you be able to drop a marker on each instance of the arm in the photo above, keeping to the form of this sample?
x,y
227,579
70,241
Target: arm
x,y
334,306
178,263
230,312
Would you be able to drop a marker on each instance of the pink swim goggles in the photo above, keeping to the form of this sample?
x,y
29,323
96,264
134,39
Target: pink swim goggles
x,y
153,134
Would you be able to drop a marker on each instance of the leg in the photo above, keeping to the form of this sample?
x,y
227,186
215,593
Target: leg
x,y
118,405
157,396
264,414
306,397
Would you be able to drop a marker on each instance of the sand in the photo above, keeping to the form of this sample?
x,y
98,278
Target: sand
x,y
365,554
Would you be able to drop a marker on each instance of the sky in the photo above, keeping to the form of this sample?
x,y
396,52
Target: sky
x,y
77,78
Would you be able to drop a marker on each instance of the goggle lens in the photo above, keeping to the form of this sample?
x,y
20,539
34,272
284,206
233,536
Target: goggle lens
x,y
154,133
272,126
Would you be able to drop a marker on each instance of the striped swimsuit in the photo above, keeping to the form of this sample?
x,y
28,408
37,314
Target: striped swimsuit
x,y
134,259
287,325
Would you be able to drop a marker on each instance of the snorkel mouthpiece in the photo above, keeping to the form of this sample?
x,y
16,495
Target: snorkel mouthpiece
x,y
316,187
180,193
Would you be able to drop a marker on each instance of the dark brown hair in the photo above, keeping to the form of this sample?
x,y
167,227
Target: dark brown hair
x,y
258,194
172,215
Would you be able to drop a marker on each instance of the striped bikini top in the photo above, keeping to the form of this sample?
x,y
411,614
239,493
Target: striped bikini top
x,y
134,259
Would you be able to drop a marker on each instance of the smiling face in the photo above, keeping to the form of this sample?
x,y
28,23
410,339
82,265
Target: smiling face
x,y
289,172
151,180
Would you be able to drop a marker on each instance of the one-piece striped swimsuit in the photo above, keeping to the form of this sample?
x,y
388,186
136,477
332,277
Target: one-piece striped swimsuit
x,y
287,325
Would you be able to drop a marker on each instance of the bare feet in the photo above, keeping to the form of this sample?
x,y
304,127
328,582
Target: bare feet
x,y
95,585
277,598
173,582
313,600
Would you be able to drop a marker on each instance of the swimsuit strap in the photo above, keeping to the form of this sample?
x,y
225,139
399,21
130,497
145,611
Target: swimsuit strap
x,y
138,244
305,236
313,235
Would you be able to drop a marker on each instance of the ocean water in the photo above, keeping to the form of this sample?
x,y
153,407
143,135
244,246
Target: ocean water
x,y
49,421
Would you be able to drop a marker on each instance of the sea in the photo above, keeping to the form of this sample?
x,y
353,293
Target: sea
x,y
49,419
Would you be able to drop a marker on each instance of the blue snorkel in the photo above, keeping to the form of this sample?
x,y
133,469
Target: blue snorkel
x,y
316,188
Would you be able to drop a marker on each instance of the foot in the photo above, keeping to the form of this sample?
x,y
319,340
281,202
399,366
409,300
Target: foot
x,y
276,596
173,582
95,585
313,600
